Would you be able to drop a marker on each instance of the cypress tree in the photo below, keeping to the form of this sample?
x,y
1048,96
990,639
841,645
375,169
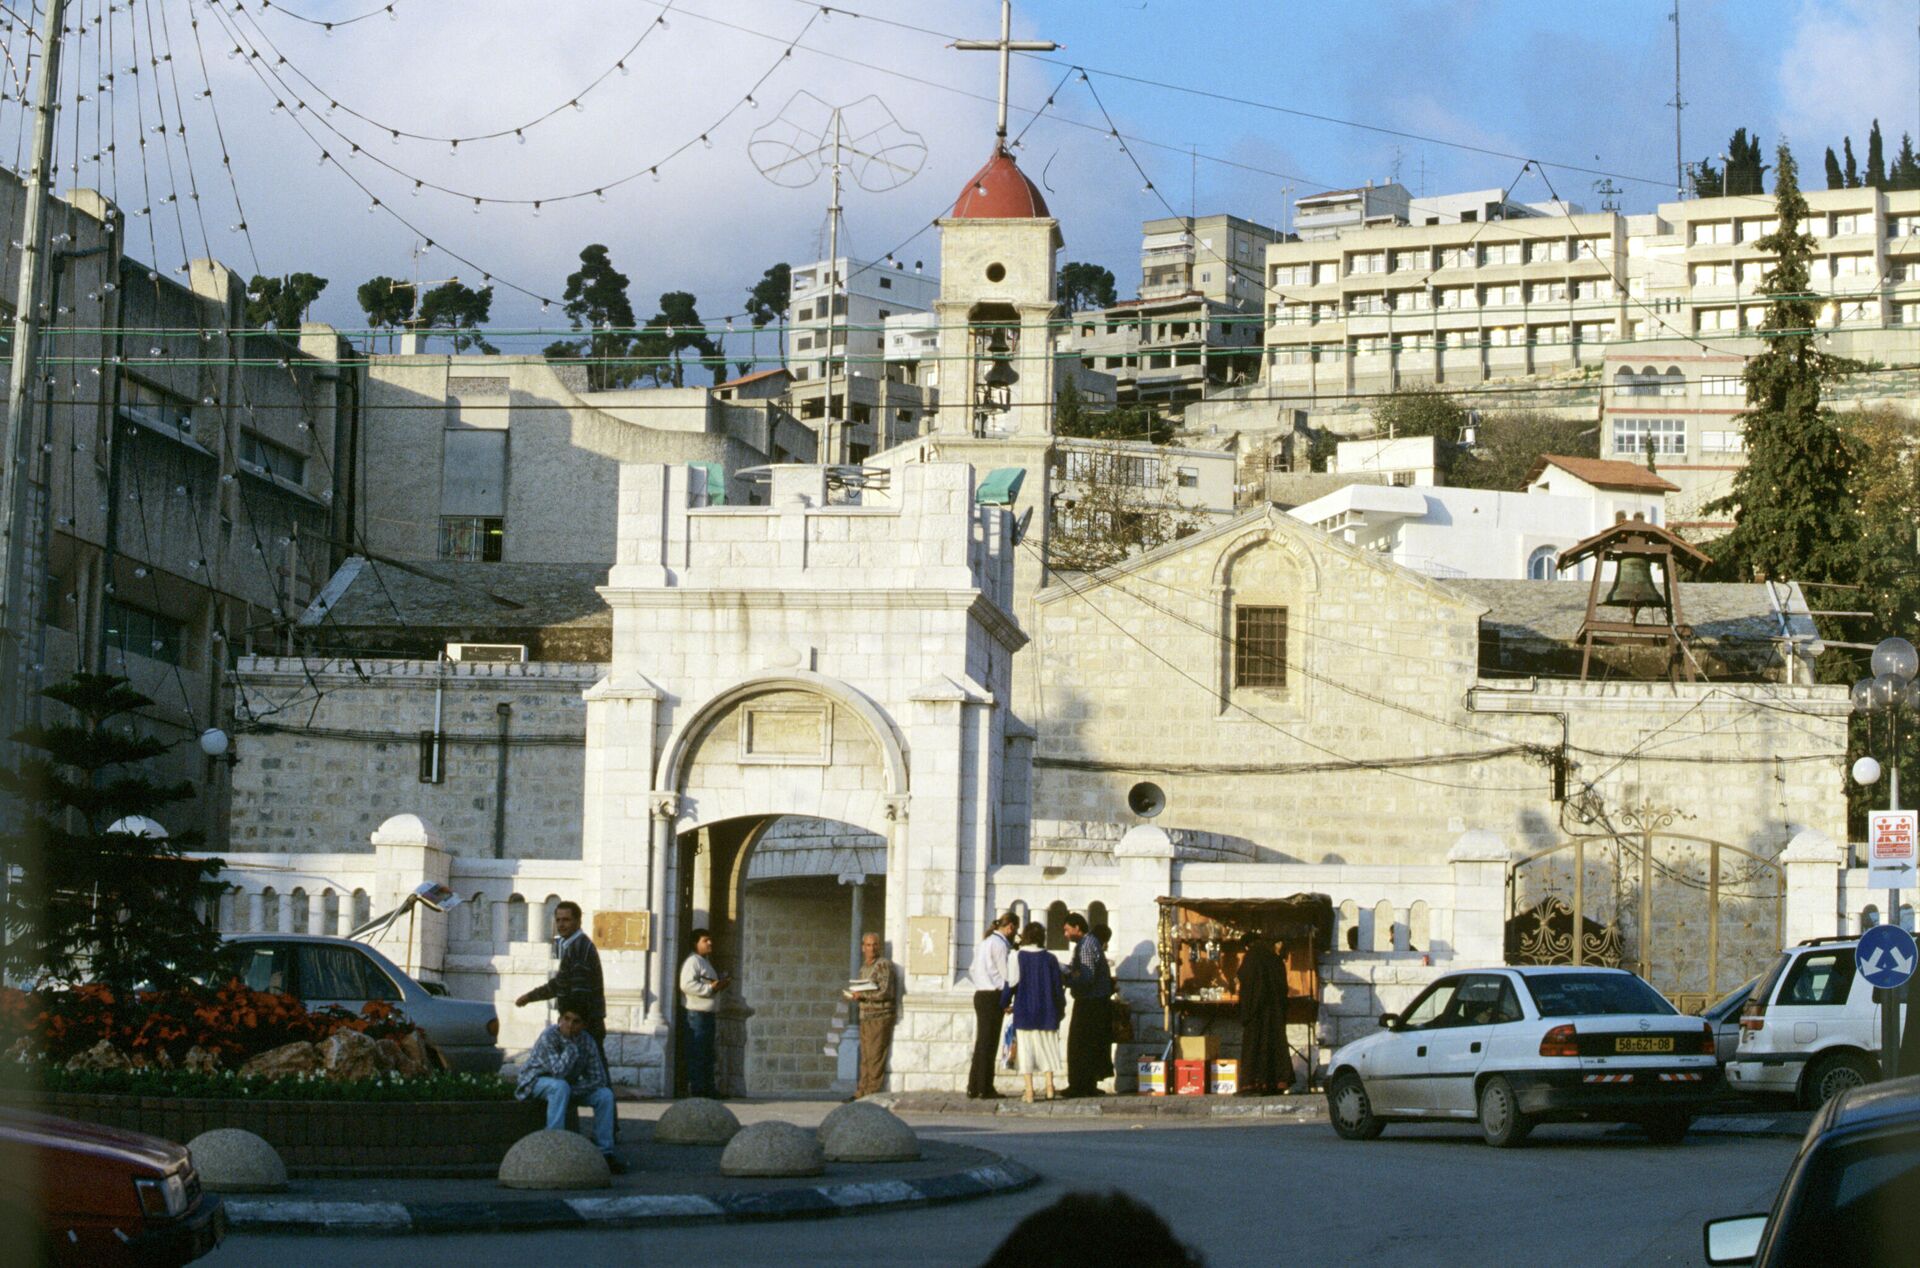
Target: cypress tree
x,y
1852,168
1876,158
1834,179
1795,506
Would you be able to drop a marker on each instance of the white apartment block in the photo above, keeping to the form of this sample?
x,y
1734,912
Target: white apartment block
x,y
868,294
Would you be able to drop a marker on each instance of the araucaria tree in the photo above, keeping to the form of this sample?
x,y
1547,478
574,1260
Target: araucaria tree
x,y
87,902
1796,505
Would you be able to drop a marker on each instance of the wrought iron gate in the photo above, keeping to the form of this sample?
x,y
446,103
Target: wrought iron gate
x,y
1691,915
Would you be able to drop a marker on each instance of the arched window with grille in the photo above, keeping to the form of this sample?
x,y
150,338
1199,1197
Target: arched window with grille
x,y
1541,565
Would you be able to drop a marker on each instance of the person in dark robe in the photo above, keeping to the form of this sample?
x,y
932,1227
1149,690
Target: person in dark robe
x,y
1266,1067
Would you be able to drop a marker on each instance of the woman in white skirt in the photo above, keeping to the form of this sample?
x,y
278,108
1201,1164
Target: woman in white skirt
x,y
1039,1001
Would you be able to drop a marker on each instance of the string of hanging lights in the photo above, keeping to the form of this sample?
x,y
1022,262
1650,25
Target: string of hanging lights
x,y
328,24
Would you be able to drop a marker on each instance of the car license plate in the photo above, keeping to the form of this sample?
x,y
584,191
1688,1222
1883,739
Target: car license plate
x,y
1644,1043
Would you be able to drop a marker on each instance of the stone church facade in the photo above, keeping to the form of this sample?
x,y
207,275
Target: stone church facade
x,y
869,704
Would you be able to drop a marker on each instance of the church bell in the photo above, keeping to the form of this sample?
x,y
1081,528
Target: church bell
x,y
1633,585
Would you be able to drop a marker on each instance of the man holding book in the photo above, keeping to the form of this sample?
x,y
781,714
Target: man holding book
x,y
875,987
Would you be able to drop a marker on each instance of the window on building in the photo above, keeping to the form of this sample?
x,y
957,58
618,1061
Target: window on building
x,y
1593,289
1189,477
805,314
1630,436
1259,646
1418,260
1713,274
1723,442
1500,296
1593,331
1457,258
1553,250
1541,565
1326,274
1754,230
1372,302
1454,296
1852,222
886,283
1723,385
1500,253
1548,334
272,458
472,538
136,632
144,403
1367,262
1712,232
1716,319
1860,265
1546,292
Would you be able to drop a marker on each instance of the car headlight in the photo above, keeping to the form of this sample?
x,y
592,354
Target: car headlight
x,y
165,1197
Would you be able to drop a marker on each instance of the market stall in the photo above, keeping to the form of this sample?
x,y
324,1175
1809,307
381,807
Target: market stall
x,y
1200,942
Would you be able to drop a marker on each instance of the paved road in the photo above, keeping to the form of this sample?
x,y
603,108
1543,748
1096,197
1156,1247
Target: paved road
x,y
1256,1195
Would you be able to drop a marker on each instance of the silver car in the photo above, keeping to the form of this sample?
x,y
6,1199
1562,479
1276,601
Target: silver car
x,y
322,972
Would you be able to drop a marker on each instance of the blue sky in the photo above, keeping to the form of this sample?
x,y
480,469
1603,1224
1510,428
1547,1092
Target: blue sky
x,y
1584,84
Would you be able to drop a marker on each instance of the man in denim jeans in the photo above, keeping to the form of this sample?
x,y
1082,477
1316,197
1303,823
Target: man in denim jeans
x,y
564,1067
700,987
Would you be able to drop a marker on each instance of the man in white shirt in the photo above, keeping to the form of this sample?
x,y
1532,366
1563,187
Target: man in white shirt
x,y
700,987
988,974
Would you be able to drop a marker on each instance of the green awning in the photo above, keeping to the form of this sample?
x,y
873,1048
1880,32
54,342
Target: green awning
x,y
1001,486
716,481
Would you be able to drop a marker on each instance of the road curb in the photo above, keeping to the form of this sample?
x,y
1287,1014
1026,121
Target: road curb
x,y
637,1210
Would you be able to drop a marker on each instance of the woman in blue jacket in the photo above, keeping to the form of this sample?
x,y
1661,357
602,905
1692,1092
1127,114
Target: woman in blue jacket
x,y
1039,997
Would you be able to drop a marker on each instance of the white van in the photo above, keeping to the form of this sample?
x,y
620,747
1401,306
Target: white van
x,y
1811,1028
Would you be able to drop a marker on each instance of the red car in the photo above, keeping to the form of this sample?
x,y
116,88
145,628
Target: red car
x,y
74,1193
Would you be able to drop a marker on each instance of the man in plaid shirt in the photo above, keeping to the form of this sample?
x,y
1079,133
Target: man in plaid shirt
x,y
564,1067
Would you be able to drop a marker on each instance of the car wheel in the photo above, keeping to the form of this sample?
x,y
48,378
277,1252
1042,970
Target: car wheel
x,y
1501,1121
1669,1128
1350,1109
1833,1074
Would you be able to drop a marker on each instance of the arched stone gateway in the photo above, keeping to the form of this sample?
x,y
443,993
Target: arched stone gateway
x,y
803,735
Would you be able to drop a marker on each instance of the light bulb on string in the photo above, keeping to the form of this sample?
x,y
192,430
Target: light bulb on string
x,y
706,140
655,173
600,195
453,148
577,107
520,136
476,206
622,67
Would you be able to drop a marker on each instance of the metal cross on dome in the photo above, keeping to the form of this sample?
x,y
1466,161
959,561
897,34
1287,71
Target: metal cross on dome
x,y
1006,46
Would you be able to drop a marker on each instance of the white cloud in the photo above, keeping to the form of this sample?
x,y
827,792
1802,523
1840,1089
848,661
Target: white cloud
x,y
1846,63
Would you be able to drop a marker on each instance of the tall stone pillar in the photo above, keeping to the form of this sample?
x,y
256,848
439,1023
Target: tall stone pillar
x,y
407,852
1815,864
1479,860
1146,857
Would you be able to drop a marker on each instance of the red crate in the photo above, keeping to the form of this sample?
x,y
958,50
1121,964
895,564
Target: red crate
x,y
1189,1078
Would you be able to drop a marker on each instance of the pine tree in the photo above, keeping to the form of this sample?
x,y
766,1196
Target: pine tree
x,y
1796,510
596,301
92,903
1834,179
1905,172
1876,158
1745,174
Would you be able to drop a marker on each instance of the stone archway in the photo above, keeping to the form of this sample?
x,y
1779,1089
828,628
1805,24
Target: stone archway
x,y
784,786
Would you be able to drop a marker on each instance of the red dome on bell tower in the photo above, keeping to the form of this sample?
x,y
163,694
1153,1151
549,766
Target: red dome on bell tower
x,y
1000,191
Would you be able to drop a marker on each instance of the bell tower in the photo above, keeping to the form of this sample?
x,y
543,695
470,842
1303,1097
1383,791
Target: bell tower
x,y
999,249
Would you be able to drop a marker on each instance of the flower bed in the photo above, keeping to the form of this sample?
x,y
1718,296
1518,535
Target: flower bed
x,y
322,1138
336,1094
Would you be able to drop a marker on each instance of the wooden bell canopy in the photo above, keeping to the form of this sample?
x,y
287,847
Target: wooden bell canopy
x,y
1647,560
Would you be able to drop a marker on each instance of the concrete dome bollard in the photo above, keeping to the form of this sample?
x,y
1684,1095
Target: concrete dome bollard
x,y
696,1121
861,1131
773,1149
234,1161
554,1160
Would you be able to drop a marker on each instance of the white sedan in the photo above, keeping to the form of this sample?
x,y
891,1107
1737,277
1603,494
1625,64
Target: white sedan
x,y
1513,1047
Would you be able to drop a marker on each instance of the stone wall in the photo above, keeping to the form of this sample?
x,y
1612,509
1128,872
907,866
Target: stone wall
x,y
1384,745
318,775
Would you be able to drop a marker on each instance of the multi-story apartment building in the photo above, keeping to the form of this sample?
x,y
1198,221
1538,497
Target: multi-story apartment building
x,y
189,485
1649,317
1196,324
867,294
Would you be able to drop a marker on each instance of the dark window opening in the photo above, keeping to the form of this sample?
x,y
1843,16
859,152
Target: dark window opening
x,y
1259,647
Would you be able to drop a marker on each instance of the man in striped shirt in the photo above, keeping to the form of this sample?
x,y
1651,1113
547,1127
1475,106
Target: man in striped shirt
x,y
565,1067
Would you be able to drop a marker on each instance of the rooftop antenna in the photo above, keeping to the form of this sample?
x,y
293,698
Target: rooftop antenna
x,y
1678,104
1609,194
863,140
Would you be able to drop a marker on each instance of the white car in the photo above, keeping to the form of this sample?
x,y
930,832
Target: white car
x,y
1811,1028
1513,1047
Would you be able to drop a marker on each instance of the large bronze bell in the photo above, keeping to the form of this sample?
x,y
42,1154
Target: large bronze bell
x,y
1633,585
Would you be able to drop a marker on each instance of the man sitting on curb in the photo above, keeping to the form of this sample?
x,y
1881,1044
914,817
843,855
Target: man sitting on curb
x,y
564,1067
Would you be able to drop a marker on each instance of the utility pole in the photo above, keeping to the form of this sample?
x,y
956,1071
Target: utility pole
x,y
17,452
1679,162
832,453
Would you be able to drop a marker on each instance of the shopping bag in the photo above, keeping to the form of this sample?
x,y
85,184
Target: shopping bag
x,y
1009,1047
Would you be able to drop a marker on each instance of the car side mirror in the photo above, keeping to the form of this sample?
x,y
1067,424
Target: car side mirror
x,y
1390,1021
1735,1240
